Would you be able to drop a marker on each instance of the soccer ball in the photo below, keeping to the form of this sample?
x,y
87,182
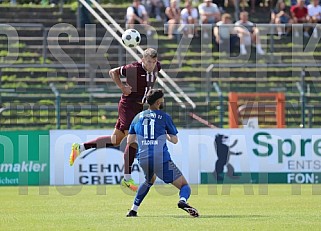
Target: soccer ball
x,y
131,38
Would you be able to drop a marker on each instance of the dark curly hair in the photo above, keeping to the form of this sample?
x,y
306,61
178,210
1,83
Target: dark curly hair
x,y
153,95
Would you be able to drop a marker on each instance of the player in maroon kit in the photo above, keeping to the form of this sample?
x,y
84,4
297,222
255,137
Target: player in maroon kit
x,y
140,77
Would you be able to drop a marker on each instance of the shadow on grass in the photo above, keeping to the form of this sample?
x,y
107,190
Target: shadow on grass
x,y
224,216
212,216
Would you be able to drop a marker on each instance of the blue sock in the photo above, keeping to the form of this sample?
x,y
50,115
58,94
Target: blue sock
x,y
185,192
142,192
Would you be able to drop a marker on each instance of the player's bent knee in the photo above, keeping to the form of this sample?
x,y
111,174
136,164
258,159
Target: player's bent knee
x,y
180,182
134,145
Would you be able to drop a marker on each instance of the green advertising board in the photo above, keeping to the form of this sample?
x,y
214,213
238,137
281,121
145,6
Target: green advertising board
x,y
263,178
24,158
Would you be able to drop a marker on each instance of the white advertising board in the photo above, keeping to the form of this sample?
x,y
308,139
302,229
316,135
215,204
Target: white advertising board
x,y
294,151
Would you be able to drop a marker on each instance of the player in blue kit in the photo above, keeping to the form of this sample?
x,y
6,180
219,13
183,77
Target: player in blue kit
x,y
150,129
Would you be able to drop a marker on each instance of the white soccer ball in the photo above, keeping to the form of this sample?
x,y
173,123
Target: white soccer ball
x,y
131,38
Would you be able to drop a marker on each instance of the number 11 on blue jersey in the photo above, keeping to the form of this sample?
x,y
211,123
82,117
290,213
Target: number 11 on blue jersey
x,y
149,123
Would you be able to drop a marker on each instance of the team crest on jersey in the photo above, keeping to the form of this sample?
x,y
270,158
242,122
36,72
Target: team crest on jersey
x,y
153,115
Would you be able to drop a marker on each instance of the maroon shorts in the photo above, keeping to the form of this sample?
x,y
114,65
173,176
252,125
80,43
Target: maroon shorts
x,y
126,113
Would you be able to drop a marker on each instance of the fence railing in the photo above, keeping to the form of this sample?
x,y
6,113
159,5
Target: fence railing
x,y
301,86
272,32
86,67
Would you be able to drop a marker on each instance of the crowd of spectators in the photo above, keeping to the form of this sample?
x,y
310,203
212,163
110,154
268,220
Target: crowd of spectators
x,y
190,19
298,13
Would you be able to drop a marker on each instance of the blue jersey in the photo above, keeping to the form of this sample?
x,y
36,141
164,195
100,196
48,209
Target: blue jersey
x,y
151,127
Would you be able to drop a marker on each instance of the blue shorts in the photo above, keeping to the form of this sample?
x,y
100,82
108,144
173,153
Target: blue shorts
x,y
284,19
167,172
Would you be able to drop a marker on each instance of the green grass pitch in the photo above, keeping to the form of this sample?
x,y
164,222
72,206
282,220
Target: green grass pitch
x,y
222,207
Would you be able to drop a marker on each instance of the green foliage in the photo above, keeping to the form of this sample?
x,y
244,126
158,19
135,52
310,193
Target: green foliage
x,y
46,102
8,78
74,6
15,85
18,45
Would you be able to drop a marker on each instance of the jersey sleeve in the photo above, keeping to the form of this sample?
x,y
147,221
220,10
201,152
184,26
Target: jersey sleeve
x,y
132,125
132,129
170,126
123,70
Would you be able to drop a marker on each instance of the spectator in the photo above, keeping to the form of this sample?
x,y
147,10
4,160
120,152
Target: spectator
x,y
314,11
209,14
156,7
225,34
136,14
173,15
189,16
248,33
281,15
300,15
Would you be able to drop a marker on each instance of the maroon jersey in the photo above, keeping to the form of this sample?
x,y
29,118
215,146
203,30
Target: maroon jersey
x,y
140,81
